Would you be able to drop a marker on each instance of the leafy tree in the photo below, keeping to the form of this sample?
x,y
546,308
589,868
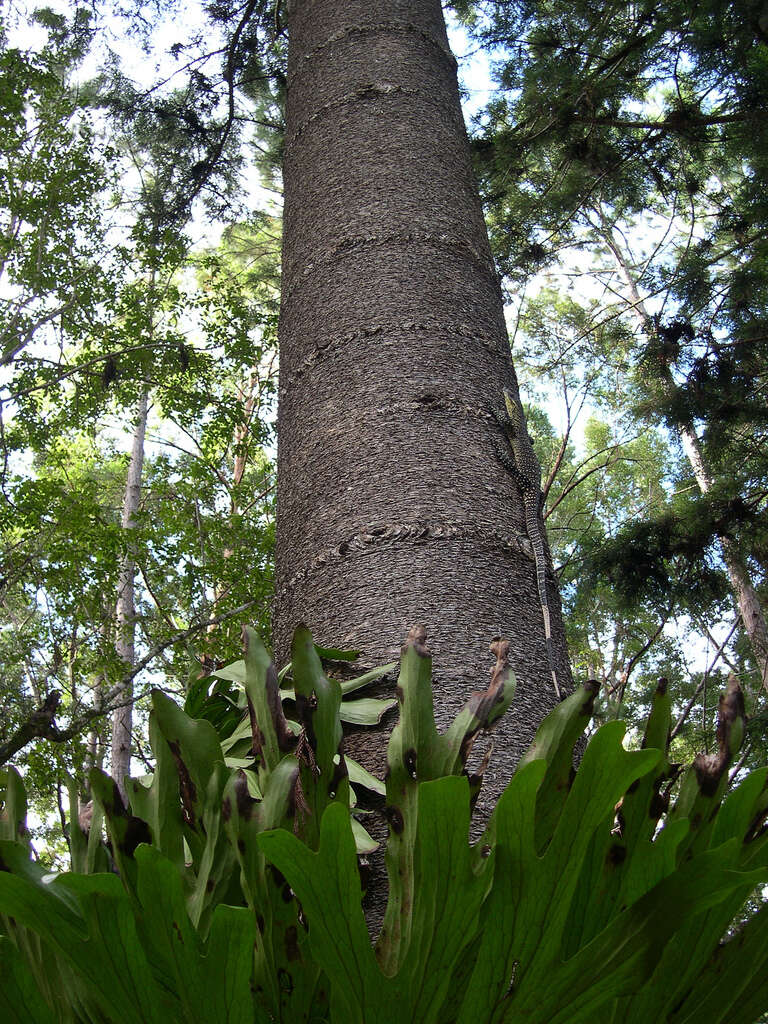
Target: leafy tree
x,y
55,265
631,134
188,335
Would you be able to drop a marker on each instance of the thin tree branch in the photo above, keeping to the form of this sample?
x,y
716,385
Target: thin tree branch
x,y
41,723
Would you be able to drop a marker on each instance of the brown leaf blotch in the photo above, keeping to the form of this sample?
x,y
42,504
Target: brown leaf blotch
x,y
592,688
395,818
187,788
136,831
291,943
617,854
245,802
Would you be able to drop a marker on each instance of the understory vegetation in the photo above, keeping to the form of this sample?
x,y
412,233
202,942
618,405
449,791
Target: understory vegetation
x,y
233,895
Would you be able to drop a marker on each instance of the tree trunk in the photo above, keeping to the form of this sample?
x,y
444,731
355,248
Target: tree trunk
x,y
748,602
122,718
745,595
393,508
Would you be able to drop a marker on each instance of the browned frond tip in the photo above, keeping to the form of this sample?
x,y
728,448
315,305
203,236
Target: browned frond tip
x,y
709,768
592,688
85,817
482,702
417,638
500,650
730,708
286,741
499,647
661,686
483,766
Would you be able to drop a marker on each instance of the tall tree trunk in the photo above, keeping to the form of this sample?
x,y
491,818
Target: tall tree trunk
x,y
393,508
246,397
745,595
122,718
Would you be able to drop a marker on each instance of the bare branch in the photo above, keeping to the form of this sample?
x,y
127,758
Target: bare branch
x,y
41,723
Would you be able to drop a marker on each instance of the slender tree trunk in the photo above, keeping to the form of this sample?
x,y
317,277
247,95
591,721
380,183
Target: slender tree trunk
x,y
748,602
745,595
393,508
247,398
122,719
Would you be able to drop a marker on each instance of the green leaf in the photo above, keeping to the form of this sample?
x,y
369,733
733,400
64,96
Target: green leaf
x,y
525,946
234,672
366,711
448,894
364,843
350,685
213,983
621,958
327,885
445,913
160,804
317,706
20,999
733,987
78,840
272,738
227,967
417,754
125,830
362,777
554,743
167,934
98,939
195,750
336,654
283,970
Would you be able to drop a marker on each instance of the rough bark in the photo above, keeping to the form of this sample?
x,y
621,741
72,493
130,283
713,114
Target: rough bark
x,y
745,596
393,509
122,719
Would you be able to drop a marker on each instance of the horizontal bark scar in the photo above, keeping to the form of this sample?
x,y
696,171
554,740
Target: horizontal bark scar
x,y
385,27
391,534
352,247
341,341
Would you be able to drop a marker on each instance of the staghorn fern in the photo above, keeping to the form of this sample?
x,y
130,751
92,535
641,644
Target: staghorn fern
x,y
585,900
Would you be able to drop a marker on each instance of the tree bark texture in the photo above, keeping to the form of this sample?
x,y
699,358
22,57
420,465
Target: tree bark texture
x,y
122,718
393,507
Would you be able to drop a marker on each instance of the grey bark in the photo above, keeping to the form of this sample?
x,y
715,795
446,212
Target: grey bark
x,y
745,596
393,509
122,718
